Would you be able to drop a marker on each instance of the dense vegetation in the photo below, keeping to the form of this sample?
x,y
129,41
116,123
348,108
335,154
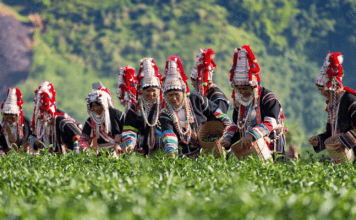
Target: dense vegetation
x,y
82,187
87,41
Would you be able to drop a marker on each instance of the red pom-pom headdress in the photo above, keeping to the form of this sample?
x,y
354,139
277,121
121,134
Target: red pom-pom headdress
x,y
245,69
335,70
331,71
45,102
203,69
127,86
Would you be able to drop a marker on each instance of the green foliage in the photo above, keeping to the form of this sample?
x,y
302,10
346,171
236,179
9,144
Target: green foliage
x,y
268,19
82,187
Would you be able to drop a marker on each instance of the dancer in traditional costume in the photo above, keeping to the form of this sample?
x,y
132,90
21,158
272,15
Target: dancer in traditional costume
x,y
15,128
257,110
127,87
103,128
51,125
181,116
341,107
202,79
142,127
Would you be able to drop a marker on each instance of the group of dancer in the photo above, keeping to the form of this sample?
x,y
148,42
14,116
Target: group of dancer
x,y
160,112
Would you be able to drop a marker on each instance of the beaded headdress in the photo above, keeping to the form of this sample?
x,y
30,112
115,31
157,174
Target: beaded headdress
x,y
45,105
331,71
13,103
244,72
148,75
45,100
245,69
174,76
203,69
127,86
100,94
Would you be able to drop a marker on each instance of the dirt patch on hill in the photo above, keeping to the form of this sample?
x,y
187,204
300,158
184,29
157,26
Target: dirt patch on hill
x,y
16,40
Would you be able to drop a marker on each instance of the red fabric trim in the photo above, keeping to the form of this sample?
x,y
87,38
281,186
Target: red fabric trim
x,y
349,90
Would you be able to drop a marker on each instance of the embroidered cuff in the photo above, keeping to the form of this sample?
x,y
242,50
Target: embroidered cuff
x,y
253,134
76,138
348,139
259,131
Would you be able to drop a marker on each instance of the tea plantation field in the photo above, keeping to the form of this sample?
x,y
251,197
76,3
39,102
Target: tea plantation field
x,y
91,187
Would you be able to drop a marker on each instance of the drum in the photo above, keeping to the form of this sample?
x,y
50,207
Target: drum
x,y
259,147
209,135
345,156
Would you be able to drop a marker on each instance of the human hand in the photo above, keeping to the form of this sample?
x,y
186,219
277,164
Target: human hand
x,y
225,143
314,141
338,147
247,142
118,138
38,143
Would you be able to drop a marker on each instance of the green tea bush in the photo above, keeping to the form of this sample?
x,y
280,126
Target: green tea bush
x,y
92,187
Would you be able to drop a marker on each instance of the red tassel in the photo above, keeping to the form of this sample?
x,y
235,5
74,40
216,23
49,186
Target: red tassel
x,y
254,67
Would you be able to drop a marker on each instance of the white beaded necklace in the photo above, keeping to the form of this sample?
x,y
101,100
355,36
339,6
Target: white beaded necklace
x,y
185,136
145,113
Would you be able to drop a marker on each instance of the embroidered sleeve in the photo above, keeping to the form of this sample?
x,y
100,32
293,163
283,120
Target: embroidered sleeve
x,y
223,104
170,139
219,98
84,141
130,130
271,108
68,126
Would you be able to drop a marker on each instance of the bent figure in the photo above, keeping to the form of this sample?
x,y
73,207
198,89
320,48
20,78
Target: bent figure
x,y
51,125
202,79
257,110
341,108
181,116
103,128
15,128
142,128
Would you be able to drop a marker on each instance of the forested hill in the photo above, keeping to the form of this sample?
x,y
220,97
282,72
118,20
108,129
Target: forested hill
x,y
85,41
